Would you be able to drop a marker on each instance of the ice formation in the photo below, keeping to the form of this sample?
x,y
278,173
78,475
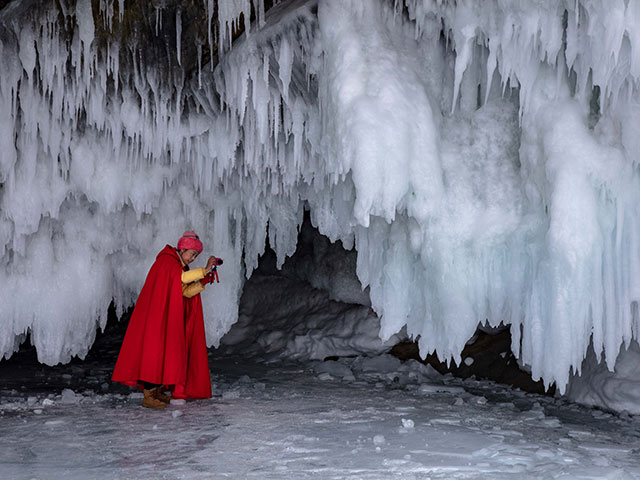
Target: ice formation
x,y
481,158
618,390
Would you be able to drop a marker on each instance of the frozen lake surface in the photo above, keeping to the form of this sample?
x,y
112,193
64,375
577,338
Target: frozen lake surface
x,y
352,419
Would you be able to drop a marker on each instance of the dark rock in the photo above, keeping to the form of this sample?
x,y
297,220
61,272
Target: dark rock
x,y
492,360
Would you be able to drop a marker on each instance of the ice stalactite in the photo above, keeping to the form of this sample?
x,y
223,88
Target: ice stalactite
x,y
482,159
98,171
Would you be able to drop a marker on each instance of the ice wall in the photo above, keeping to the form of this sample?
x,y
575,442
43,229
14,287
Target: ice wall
x,y
481,158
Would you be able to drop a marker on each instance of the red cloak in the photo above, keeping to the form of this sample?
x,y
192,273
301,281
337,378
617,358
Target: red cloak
x,y
165,342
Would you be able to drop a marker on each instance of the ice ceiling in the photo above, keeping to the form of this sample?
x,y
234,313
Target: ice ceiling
x,y
481,157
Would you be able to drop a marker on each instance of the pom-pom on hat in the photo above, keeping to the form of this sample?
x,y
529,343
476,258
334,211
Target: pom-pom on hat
x,y
189,240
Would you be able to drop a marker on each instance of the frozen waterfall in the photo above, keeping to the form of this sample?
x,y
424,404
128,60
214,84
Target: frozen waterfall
x,y
481,157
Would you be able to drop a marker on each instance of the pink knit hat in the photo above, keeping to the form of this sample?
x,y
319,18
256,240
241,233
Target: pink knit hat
x,y
190,240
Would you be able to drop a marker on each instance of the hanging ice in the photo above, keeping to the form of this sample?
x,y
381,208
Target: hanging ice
x,y
482,159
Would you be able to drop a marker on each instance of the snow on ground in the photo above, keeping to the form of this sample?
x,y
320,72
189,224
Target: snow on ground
x,y
355,418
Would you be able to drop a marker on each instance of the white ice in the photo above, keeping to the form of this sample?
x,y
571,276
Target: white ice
x,y
482,159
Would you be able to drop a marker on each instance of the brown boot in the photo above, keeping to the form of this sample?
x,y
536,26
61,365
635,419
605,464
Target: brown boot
x,y
159,395
150,401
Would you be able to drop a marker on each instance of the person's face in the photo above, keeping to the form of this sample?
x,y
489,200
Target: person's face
x,y
188,255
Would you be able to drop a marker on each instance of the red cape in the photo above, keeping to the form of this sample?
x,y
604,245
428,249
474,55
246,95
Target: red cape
x,y
165,341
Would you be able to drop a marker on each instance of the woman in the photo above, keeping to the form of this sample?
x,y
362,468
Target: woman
x,y
165,347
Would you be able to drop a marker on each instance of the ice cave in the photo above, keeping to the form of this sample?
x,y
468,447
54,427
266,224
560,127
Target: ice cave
x,y
374,173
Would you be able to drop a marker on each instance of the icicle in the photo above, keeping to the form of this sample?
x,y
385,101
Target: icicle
x,y
178,34
491,68
284,67
463,59
209,29
158,19
259,12
199,50
106,10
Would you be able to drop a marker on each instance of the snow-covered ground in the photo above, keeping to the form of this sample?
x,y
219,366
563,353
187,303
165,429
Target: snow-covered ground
x,y
357,418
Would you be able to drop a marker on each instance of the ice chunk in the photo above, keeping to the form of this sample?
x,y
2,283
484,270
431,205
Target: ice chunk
x,y
407,423
68,397
335,369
